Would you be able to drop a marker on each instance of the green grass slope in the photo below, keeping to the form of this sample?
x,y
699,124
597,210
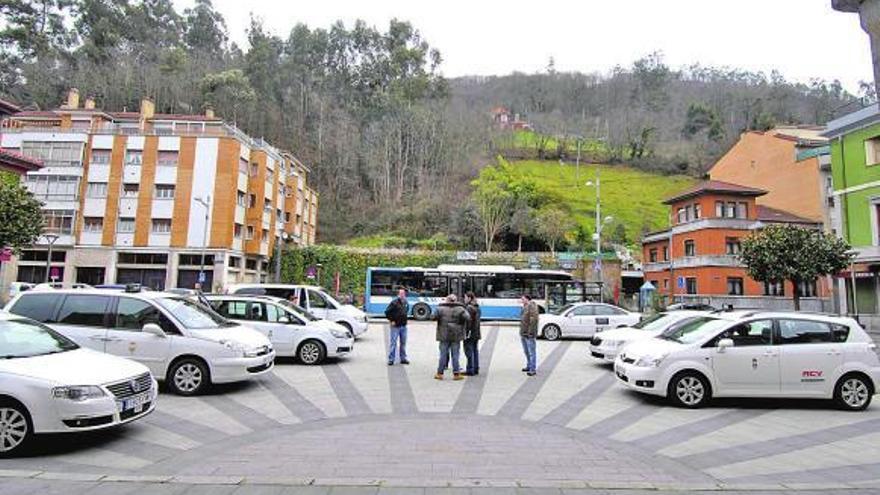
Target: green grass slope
x,y
632,197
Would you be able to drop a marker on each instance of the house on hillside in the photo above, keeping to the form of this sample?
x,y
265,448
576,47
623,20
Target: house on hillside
x,y
791,163
504,120
11,160
696,259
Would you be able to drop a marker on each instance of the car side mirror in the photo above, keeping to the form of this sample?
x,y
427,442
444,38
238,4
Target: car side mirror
x,y
154,329
724,344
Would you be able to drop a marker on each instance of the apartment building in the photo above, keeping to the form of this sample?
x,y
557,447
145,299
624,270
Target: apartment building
x,y
696,259
157,198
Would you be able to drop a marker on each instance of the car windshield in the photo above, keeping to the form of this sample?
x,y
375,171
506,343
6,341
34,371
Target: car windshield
x,y
23,339
654,322
193,315
563,309
299,310
694,330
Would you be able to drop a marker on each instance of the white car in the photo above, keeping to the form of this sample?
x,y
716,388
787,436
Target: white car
x,y
60,285
584,320
292,330
49,384
182,342
607,344
313,299
755,354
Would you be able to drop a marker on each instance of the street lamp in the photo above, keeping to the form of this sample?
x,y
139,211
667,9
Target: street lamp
x,y
280,244
50,237
600,226
207,204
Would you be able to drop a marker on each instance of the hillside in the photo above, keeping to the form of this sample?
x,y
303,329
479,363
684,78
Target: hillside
x,y
632,197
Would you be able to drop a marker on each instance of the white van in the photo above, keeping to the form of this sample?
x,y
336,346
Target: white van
x,y
181,342
313,299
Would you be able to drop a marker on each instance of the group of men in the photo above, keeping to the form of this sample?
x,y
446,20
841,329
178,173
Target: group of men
x,y
457,323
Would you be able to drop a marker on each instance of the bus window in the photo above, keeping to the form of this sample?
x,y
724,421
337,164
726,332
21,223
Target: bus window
x,y
506,286
533,286
435,286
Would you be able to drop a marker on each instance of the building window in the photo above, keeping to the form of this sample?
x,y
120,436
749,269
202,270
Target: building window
x,y
665,284
253,170
125,225
101,157
250,264
265,235
730,211
733,245
242,166
241,199
168,158
807,288
774,289
52,186
58,221
665,253
690,285
133,157
164,191
872,151
130,190
162,226
234,261
719,209
250,232
690,248
742,210
93,224
195,260
96,190
142,259
698,211
237,231
682,216
652,256
252,200
734,286
54,154
286,217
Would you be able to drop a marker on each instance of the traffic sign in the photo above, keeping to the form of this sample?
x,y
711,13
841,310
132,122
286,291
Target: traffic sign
x,y
681,282
201,277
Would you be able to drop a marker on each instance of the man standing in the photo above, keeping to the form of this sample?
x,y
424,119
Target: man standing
x,y
397,312
452,320
528,332
472,337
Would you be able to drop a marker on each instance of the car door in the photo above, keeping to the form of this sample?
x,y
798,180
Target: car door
x,y
751,366
126,337
83,319
607,317
580,321
810,357
287,329
250,313
318,305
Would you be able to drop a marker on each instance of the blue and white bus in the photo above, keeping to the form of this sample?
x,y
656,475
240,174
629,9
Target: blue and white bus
x,y
497,287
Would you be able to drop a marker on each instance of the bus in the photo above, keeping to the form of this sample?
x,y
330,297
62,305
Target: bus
x,y
497,287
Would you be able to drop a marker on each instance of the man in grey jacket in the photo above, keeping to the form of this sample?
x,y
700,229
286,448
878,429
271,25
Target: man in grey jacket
x,y
452,320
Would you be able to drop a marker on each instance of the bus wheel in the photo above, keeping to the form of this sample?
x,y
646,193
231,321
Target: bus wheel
x,y
421,312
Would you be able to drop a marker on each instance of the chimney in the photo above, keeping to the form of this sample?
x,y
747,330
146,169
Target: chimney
x,y
148,108
72,99
209,112
90,103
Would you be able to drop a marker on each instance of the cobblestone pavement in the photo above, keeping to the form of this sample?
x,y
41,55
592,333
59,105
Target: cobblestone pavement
x,y
356,425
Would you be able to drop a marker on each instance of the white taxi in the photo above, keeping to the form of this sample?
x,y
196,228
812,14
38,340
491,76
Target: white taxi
x,y
607,344
755,354
584,320
293,331
49,384
183,343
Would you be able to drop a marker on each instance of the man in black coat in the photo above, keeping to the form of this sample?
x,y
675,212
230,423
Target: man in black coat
x,y
472,335
397,313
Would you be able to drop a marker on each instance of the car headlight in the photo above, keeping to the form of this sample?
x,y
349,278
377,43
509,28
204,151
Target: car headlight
x,y
78,393
650,361
339,334
240,349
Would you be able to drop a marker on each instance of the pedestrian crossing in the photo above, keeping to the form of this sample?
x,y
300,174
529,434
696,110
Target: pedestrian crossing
x,y
571,393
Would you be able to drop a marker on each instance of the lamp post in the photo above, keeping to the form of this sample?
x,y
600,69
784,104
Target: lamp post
x,y
50,237
207,204
280,244
600,226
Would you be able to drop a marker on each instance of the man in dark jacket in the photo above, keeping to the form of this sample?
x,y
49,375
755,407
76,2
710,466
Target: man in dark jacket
x,y
397,312
528,332
452,320
472,336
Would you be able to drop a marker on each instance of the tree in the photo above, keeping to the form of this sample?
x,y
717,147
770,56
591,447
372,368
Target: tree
x,y
552,226
493,201
522,221
21,219
779,253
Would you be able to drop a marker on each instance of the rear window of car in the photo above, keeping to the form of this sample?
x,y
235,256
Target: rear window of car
x,y
39,307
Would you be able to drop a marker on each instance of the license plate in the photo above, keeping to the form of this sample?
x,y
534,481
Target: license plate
x,y
136,402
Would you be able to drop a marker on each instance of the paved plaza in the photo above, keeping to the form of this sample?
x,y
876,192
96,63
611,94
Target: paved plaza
x,y
356,425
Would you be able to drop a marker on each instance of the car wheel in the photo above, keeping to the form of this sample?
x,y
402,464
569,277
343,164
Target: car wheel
x,y
421,312
552,332
853,392
689,389
189,376
311,352
15,428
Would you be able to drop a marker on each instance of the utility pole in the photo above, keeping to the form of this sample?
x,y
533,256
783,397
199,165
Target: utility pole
x,y
599,232
50,238
207,205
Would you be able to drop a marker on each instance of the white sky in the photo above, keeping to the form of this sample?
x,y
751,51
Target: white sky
x,y
800,38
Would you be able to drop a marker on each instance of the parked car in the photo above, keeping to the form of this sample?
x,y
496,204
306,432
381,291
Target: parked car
x,y
183,343
607,344
584,320
313,299
49,384
292,332
60,285
15,288
755,354
691,306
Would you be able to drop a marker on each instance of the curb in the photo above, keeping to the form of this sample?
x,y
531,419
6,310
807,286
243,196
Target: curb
x,y
432,483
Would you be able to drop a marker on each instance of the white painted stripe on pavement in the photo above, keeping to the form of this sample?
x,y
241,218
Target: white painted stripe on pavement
x,y
312,383
198,411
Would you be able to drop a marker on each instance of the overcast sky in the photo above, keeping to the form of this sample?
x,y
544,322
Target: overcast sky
x,y
800,38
